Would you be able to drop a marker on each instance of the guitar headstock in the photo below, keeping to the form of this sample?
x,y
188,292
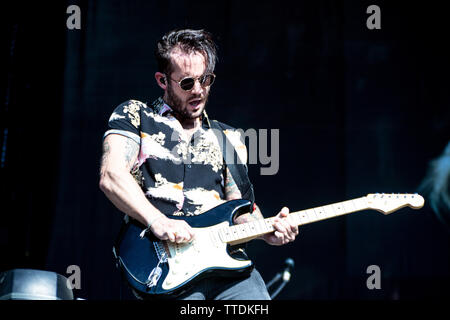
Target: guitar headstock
x,y
387,203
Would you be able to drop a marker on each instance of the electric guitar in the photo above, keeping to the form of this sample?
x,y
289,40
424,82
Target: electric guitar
x,y
157,267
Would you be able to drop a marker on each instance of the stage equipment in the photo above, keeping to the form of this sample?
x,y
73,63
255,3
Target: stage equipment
x,y
285,276
29,284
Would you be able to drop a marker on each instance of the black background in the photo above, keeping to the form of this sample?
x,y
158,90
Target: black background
x,y
359,111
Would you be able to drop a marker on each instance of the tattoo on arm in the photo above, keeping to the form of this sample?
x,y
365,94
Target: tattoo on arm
x,y
248,217
231,189
131,152
106,150
232,192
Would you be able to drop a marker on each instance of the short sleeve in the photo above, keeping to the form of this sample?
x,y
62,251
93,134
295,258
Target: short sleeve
x,y
237,140
126,120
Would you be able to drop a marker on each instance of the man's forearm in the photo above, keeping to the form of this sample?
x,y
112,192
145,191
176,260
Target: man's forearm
x,y
124,192
248,217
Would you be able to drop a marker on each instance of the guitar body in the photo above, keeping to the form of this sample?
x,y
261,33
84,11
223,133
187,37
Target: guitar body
x,y
156,267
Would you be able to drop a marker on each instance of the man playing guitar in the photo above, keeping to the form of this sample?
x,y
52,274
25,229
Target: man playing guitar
x,y
162,161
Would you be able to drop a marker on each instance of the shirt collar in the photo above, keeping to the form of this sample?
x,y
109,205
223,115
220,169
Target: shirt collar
x,y
160,107
163,109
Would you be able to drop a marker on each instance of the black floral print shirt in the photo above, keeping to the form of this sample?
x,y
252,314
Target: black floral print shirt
x,y
179,175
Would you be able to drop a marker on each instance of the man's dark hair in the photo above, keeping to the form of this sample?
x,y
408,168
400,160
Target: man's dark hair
x,y
188,41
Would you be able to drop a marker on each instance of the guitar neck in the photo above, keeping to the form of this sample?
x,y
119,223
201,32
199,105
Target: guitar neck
x,y
250,230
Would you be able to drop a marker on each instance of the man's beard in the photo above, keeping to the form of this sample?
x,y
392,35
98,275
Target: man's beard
x,y
177,104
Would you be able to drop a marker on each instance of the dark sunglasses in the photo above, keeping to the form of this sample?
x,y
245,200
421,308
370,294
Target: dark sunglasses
x,y
188,83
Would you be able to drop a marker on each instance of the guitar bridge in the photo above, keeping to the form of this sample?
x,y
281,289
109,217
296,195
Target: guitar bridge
x,y
160,251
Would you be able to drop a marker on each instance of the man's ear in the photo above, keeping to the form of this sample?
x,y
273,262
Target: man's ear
x,y
161,80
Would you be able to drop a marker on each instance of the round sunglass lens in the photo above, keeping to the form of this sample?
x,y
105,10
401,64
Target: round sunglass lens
x,y
187,84
207,80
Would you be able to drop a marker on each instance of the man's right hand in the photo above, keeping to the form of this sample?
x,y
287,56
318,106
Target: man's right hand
x,y
173,230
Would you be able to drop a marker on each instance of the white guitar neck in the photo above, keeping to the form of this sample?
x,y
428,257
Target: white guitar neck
x,y
385,203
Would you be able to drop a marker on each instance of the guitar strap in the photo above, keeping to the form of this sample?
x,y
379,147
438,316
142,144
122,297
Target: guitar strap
x,y
239,171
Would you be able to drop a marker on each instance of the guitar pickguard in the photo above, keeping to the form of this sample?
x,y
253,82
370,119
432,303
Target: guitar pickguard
x,y
204,253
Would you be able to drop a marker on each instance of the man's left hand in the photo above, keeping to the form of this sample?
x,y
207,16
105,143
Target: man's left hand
x,y
285,231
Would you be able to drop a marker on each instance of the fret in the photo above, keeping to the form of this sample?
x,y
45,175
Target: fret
x,y
304,217
292,219
237,232
253,228
349,206
308,216
229,234
234,232
315,214
268,225
257,225
296,217
330,211
359,204
223,234
338,209
319,212
364,203
261,226
241,230
245,228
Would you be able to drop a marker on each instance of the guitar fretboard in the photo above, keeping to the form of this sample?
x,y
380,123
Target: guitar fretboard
x,y
250,230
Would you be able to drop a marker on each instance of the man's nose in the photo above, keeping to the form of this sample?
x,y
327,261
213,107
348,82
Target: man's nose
x,y
197,87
